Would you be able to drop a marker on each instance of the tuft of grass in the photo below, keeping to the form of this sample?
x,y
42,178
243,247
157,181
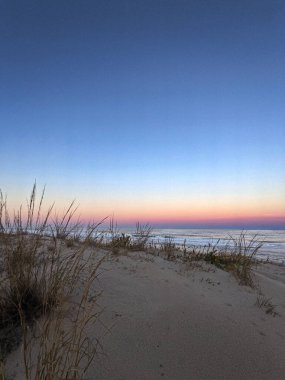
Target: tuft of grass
x,y
238,257
197,253
116,239
60,343
120,241
265,303
40,271
169,247
141,237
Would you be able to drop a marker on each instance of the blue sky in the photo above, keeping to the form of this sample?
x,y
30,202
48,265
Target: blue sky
x,y
148,109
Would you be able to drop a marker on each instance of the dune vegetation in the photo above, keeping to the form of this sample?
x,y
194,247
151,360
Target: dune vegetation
x,y
40,273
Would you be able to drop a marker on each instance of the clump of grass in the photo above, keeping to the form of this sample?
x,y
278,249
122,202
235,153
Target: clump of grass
x,y
38,277
169,247
141,237
119,241
265,303
116,240
63,228
91,236
24,287
238,257
197,253
60,343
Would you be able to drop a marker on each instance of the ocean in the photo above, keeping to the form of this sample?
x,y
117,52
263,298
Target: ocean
x,y
273,247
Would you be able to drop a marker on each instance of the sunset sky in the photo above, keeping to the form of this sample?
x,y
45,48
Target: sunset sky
x,y
168,112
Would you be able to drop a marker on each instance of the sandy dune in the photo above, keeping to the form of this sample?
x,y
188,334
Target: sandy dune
x,y
173,323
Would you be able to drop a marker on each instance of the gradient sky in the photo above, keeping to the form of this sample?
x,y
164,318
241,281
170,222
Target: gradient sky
x,y
171,112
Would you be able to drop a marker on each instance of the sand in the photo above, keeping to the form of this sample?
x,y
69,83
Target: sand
x,y
165,320
172,322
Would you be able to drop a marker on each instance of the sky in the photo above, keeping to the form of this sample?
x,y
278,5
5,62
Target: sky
x,y
164,111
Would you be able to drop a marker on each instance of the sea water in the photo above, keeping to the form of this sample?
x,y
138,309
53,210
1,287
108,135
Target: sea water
x,y
273,241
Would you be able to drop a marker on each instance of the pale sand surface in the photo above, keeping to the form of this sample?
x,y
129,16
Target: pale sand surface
x,y
173,323
170,322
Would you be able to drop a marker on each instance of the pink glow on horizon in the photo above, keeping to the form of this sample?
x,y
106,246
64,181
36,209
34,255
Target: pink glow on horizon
x,y
240,219
199,213
175,212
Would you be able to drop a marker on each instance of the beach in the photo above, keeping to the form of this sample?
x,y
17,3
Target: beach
x,y
165,319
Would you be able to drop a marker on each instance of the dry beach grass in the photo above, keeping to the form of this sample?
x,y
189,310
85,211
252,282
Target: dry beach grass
x,y
39,275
